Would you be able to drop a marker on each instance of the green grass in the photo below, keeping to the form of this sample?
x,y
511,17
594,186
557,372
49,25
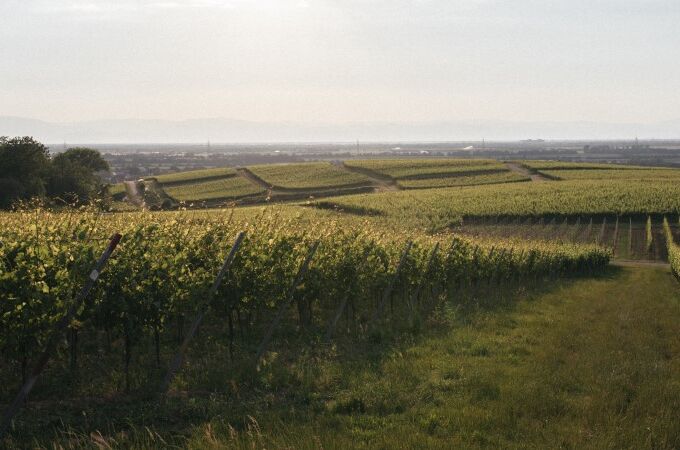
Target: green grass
x,y
193,176
228,188
424,168
308,176
592,364
589,363
116,189
462,180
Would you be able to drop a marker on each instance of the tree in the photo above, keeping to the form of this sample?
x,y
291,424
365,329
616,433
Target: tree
x,y
73,176
24,165
84,157
27,171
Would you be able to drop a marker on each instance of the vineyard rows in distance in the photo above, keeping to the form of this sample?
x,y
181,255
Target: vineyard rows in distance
x,y
290,182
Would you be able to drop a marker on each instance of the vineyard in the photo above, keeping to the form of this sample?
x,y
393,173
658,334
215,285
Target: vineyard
x,y
161,273
285,182
628,174
563,165
427,168
434,173
194,176
672,240
307,176
629,237
269,308
566,198
224,189
461,180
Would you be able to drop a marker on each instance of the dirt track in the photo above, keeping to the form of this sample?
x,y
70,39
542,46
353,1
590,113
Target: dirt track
x,y
526,172
132,191
638,263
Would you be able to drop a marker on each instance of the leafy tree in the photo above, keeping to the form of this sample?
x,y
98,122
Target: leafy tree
x,y
27,171
73,177
24,164
85,157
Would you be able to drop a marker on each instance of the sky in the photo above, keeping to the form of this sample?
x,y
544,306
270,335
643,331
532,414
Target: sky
x,y
341,61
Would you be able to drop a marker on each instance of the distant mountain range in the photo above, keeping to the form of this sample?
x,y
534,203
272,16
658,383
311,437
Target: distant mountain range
x,y
238,131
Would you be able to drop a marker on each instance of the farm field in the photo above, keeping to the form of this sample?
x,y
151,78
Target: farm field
x,y
581,197
432,173
363,321
289,182
194,176
422,168
461,180
611,174
232,187
562,165
630,238
307,176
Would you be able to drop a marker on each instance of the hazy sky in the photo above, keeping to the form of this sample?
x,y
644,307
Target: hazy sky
x,y
341,60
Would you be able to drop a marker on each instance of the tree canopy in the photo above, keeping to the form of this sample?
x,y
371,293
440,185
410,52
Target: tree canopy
x,y
27,170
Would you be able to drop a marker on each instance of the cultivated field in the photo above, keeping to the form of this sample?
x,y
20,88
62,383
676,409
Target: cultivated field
x,y
424,168
471,315
461,180
308,176
194,176
229,188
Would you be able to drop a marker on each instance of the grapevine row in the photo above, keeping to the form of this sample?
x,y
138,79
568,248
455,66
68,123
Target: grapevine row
x,y
673,248
165,264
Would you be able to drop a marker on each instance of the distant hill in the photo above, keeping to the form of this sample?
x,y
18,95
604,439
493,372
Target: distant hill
x,y
228,130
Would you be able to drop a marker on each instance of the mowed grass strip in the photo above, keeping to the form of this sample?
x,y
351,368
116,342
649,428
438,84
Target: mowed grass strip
x,y
228,188
422,168
308,176
592,364
193,176
462,180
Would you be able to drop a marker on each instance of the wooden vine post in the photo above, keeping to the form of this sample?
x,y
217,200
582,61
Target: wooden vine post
x,y
428,268
343,304
262,348
615,244
179,357
600,238
56,335
393,280
630,237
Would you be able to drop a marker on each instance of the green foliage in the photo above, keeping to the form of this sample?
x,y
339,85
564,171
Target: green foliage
x,y
227,188
83,157
462,180
308,176
26,171
563,165
166,261
24,166
615,174
428,168
194,176
673,248
583,197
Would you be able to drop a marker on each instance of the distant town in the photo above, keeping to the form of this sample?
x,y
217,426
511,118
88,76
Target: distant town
x,y
132,161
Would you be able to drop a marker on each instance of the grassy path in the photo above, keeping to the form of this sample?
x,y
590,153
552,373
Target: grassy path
x,y
592,364
526,172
